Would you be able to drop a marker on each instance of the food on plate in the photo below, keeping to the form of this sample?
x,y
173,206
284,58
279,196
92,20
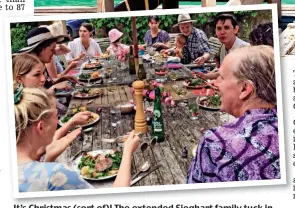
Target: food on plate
x,y
84,76
76,110
95,75
88,92
100,165
195,83
213,101
92,65
160,71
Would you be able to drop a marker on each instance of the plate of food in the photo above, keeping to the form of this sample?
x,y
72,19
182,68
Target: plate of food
x,y
88,92
195,83
211,102
92,120
98,164
92,65
160,71
91,76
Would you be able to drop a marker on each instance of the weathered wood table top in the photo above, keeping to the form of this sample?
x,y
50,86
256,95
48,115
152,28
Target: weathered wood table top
x,y
180,132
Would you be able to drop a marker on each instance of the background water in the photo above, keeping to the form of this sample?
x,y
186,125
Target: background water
x,y
93,2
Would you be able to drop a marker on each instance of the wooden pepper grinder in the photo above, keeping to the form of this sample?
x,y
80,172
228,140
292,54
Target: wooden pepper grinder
x,y
140,125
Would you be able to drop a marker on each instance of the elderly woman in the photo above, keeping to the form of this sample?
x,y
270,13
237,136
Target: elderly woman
x,y
35,124
247,149
155,36
84,46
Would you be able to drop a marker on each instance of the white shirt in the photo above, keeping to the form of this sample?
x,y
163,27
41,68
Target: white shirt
x,y
237,44
77,48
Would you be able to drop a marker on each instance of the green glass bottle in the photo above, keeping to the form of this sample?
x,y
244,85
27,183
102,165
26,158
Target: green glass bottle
x,y
141,74
158,131
131,62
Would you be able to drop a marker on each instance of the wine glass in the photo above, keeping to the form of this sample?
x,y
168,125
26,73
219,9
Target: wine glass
x,y
174,76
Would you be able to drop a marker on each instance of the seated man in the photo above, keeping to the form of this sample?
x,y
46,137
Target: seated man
x,y
226,31
247,149
197,41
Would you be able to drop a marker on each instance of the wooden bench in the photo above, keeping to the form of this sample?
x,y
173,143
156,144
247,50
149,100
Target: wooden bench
x,y
215,45
104,43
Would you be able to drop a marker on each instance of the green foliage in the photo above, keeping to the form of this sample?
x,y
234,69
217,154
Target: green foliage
x,y
18,34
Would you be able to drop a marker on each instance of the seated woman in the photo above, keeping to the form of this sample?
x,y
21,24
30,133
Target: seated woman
x,y
247,149
35,124
42,43
155,36
116,47
28,70
84,46
180,50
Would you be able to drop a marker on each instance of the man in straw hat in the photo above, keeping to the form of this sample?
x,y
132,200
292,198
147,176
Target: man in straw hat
x,y
197,41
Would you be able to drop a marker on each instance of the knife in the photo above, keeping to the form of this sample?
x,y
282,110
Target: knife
x,y
144,175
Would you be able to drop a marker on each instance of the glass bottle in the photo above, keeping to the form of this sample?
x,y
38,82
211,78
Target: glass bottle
x,y
158,131
141,74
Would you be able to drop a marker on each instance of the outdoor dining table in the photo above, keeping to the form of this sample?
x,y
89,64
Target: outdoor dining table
x,y
181,133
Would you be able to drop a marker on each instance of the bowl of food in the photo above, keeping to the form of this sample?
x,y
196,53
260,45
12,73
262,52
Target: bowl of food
x,y
124,106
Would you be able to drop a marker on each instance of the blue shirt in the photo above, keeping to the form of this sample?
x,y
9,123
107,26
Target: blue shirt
x,y
48,176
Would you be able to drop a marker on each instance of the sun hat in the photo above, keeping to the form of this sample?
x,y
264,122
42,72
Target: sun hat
x,y
184,18
114,35
38,35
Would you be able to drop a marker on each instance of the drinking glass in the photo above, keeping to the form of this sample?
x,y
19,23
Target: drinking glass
x,y
193,106
115,113
174,76
111,86
181,92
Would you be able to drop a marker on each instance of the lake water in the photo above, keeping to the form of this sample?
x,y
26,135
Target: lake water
x,y
93,2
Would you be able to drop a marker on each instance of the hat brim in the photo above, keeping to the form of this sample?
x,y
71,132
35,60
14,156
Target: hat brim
x,y
28,49
187,21
121,34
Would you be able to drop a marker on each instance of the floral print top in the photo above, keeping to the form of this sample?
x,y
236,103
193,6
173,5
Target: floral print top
x,y
48,176
247,149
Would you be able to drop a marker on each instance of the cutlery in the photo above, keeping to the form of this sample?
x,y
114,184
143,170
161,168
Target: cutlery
x,y
134,181
90,101
79,153
143,168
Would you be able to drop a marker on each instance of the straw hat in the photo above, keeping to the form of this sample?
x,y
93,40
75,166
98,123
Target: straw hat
x,y
114,35
184,18
38,35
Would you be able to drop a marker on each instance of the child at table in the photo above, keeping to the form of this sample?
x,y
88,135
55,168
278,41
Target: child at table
x,y
117,48
180,50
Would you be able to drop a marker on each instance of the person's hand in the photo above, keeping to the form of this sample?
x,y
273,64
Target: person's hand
x,y
131,144
81,118
69,78
58,146
62,49
158,44
82,56
73,64
200,74
62,86
200,61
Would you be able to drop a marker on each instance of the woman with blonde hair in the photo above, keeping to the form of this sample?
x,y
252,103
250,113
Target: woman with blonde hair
x,y
35,124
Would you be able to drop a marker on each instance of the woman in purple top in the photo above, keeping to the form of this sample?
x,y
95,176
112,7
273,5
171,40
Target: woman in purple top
x,y
155,36
247,149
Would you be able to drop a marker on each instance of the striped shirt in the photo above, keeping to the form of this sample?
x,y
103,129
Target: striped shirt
x,y
77,48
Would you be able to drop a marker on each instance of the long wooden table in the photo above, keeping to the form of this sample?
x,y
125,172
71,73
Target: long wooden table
x,y
180,132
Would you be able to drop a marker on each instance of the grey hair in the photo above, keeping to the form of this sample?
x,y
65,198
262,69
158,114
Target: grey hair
x,y
257,65
35,104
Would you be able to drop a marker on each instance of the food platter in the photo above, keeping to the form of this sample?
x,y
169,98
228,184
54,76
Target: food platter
x,y
85,76
94,118
98,165
93,65
205,102
195,83
88,93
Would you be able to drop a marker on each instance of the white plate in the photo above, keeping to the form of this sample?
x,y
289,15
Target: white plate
x,y
93,153
93,122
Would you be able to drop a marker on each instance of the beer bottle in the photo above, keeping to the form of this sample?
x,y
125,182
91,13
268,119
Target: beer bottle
x,y
141,74
158,131
131,62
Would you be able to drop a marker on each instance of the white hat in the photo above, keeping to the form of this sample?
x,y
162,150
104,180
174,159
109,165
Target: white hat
x,y
184,18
